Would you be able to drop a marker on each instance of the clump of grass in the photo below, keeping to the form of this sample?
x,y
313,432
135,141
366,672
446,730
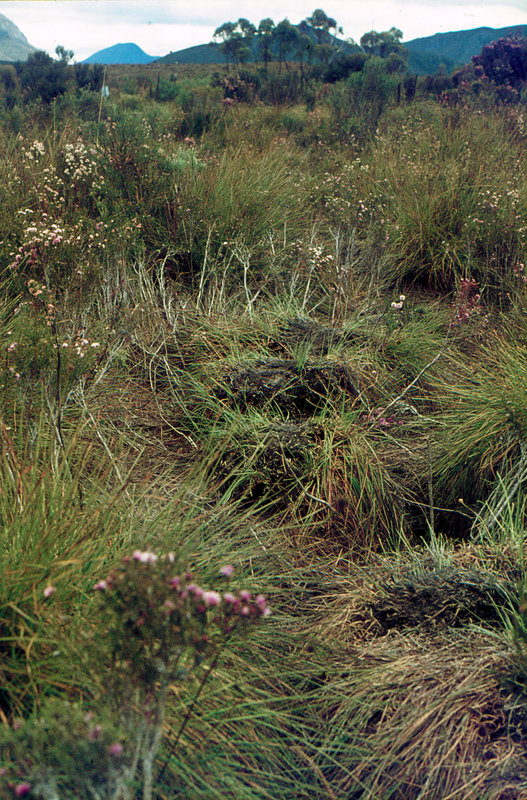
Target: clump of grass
x,y
58,522
484,425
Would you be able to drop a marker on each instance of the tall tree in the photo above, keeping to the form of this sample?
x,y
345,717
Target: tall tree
x,y
304,51
266,30
384,43
248,31
322,25
235,39
64,55
286,36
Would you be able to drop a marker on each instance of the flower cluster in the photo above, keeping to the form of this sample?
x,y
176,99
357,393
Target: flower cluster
x,y
519,271
80,162
52,249
396,315
37,237
42,299
79,344
34,152
467,302
397,305
162,618
377,419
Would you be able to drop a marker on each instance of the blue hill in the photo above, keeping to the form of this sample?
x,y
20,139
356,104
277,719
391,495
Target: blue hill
x,y
120,54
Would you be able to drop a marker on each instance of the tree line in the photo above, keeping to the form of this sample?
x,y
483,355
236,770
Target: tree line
x,y
313,41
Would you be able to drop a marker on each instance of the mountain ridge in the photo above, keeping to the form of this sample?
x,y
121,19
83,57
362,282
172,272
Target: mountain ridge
x,y
453,48
13,44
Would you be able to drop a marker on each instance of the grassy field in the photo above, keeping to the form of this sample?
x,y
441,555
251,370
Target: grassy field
x,y
263,356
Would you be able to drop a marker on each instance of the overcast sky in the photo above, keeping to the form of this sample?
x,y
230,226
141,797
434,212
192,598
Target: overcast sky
x,y
159,26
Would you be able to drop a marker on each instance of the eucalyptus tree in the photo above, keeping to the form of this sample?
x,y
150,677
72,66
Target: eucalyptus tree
x,y
234,40
322,25
266,31
286,36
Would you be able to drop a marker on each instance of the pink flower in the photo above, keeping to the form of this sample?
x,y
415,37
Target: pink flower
x,y
48,591
229,597
211,598
95,732
115,749
227,570
245,595
22,789
100,586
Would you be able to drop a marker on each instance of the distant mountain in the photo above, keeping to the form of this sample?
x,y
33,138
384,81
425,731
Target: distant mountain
x,y
199,54
120,54
13,44
453,49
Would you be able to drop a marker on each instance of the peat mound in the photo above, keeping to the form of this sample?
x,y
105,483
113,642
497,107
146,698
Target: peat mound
x,y
294,388
442,596
268,461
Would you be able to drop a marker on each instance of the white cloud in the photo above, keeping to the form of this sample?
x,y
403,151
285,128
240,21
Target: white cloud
x,y
159,26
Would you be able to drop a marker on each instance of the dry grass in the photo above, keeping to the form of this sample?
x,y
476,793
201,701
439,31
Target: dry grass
x,y
421,712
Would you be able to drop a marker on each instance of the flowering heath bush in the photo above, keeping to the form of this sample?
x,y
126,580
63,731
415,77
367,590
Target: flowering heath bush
x,y
42,346
161,624
162,621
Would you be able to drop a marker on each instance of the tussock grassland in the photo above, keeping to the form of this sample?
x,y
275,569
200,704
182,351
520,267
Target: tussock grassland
x,y
263,337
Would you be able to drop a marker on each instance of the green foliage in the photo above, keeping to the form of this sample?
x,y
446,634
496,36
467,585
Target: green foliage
x,y
359,101
42,77
65,751
235,40
382,44
54,528
487,439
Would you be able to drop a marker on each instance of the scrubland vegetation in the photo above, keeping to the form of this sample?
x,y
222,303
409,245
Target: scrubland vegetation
x,y
265,347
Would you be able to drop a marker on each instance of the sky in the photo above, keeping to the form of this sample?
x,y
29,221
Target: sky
x,y
161,26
